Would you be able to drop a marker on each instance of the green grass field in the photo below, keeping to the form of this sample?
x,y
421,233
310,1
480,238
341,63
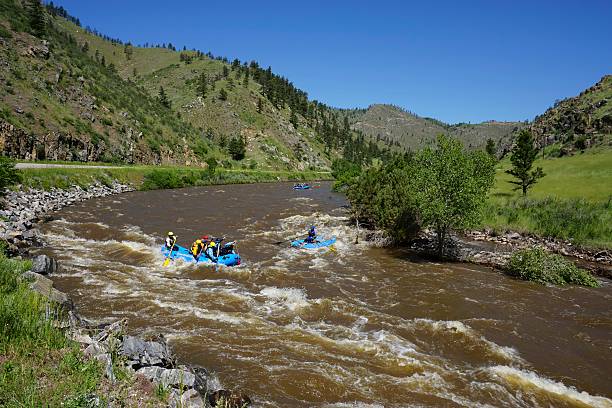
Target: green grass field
x,y
573,200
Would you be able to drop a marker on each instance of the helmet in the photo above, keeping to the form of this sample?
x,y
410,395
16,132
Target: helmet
x,y
171,234
205,237
199,241
212,244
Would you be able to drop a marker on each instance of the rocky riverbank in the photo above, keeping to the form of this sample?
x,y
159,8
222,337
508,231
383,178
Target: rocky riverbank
x,y
21,210
486,248
151,361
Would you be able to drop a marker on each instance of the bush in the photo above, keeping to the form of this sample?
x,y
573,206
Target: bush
x,y
9,175
162,179
537,265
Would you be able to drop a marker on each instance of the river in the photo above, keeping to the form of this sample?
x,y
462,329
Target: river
x,y
359,326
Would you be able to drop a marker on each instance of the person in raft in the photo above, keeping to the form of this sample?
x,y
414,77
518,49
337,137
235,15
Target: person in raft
x,y
171,241
211,249
197,248
312,235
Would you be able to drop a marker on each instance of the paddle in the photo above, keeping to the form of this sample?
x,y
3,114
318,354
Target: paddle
x,y
167,260
287,240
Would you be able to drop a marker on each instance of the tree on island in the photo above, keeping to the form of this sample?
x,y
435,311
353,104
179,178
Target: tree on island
x,y
523,155
450,187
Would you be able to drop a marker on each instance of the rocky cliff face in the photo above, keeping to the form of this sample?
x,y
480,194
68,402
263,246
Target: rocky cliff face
x,y
582,121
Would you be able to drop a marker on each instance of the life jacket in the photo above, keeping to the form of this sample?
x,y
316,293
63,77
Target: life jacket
x,y
170,242
196,249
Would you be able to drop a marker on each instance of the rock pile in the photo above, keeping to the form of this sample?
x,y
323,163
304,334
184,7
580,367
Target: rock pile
x,y
148,359
23,209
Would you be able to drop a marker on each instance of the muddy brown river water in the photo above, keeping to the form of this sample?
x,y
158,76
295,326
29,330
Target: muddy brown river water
x,y
361,326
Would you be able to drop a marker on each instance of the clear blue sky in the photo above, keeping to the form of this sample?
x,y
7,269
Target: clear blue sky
x,y
458,61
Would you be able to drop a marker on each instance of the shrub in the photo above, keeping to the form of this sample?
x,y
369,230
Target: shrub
x,y
9,175
162,179
537,265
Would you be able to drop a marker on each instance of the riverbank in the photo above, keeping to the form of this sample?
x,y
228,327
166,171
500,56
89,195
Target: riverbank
x,y
84,176
108,365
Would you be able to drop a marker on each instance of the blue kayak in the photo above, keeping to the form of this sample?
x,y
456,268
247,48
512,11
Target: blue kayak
x,y
184,254
301,187
301,243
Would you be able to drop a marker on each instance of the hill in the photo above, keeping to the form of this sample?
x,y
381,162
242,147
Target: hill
x,y
579,122
69,93
401,128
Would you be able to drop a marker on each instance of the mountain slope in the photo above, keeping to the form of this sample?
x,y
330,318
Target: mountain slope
x,y
578,122
405,129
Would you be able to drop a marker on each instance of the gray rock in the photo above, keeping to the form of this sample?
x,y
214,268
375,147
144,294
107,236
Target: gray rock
x,y
94,349
169,377
188,399
147,353
44,265
44,286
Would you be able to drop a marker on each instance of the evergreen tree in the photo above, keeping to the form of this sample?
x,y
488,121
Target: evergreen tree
x,y
222,95
259,106
103,61
245,81
237,148
523,155
85,47
163,98
293,119
490,148
36,15
225,71
202,86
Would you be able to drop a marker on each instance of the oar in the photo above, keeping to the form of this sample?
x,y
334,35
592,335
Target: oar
x,y
290,239
332,248
167,260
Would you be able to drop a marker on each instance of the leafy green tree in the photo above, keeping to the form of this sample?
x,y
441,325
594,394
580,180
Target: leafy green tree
x,y
490,148
237,148
9,175
36,16
450,186
523,155
163,98
212,164
222,95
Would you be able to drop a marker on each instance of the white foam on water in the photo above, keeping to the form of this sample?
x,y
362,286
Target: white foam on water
x,y
289,298
454,326
528,381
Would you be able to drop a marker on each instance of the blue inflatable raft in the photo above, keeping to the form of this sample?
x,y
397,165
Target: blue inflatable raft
x,y
182,253
301,243
301,186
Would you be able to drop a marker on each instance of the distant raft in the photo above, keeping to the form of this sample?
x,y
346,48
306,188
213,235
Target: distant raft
x,y
301,243
301,186
179,252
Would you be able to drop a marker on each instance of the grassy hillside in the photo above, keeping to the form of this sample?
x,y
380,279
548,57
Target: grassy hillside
x,y
57,103
405,129
272,141
572,201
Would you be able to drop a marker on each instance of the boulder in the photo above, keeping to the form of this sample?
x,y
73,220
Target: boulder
x,y
169,377
44,286
142,353
188,399
44,265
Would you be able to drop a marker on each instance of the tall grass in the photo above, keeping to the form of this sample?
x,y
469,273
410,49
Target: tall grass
x,y
583,222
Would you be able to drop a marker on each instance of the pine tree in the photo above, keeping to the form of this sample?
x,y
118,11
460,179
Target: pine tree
x,y
237,148
103,61
490,148
259,106
222,95
36,15
225,71
245,81
523,155
163,98
293,119
202,86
